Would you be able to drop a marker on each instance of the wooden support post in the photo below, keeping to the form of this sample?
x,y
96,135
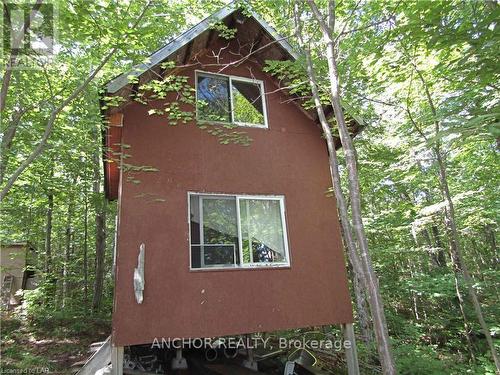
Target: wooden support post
x,y
179,362
250,362
117,360
351,352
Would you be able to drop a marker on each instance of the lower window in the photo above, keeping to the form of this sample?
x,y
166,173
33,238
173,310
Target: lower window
x,y
237,231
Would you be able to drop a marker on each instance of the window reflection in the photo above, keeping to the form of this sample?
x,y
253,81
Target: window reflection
x,y
214,221
230,100
213,98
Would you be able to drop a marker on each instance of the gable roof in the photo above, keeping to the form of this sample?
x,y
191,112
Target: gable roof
x,y
269,45
273,45
182,40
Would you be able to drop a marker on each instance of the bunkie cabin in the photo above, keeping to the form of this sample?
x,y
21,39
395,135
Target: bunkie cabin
x,y
214,237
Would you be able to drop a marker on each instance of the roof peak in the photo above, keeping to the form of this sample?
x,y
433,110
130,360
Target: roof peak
x,y
171,47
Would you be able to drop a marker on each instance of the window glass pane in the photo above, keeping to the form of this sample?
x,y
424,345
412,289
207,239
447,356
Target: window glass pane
x,y
194,227
245,238
214,234
213,98
247,102
220,231
214,231
262,231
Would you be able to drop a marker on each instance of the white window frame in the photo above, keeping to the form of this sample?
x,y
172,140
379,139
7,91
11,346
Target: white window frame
x,y
231,100
241,265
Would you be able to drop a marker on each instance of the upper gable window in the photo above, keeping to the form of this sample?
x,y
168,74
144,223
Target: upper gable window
x,y
229,99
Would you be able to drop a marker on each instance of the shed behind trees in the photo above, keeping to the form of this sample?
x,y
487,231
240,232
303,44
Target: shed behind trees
x,y
16,274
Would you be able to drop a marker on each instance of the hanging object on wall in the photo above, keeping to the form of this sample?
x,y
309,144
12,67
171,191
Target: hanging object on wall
x,y
139,275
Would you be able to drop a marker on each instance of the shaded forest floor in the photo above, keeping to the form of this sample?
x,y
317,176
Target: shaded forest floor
x,y
50,345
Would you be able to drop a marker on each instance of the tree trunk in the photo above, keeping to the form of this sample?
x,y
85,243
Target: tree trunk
x,y
376,304
414,296
346,230
457,258
6,144
100,220
99,258
362,265
85,254
441,256
461,304
48,233
67,251
451,227
362,310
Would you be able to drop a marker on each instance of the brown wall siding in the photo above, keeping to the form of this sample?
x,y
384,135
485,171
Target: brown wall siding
x,y
289,159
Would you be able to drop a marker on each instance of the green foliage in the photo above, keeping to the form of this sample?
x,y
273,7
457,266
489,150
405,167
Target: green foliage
x,y
453,44
224,31
48,339
420,360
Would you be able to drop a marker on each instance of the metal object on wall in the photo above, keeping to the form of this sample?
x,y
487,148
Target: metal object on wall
x,y
139,281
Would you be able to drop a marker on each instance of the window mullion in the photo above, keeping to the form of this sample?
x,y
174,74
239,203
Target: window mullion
x,y
250,247
202,240
284,229
264,104
231,100
238,223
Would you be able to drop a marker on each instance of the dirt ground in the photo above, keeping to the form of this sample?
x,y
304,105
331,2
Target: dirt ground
x,y
52,347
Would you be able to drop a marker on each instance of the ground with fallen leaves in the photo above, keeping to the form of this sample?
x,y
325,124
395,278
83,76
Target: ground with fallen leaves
x,y
52,346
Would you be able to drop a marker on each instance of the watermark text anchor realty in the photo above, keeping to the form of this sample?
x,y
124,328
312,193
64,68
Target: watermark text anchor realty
x,y
250,342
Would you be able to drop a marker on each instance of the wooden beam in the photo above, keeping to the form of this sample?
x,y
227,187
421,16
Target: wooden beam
x,y
117,360
187,54
211,36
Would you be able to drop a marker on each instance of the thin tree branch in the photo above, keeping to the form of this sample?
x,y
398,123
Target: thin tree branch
x,y
13,58
55,112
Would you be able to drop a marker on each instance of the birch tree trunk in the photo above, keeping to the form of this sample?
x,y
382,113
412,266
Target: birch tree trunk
x,y
374,297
